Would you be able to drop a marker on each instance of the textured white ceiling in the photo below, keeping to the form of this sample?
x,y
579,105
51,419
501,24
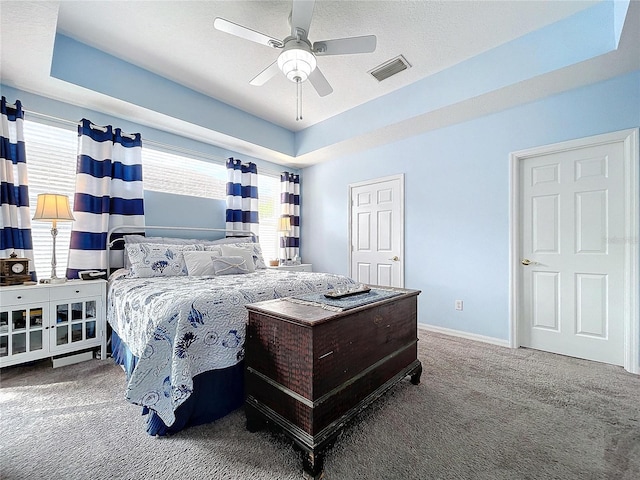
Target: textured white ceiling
x,y
176,39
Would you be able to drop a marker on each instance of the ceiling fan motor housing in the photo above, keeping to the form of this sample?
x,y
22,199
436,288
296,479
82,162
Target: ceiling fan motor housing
x,y
296,60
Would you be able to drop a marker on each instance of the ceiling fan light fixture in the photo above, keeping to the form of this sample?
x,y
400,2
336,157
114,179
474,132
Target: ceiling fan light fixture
x,y
297,64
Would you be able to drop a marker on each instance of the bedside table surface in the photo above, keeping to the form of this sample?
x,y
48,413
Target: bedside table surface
x,y
302,267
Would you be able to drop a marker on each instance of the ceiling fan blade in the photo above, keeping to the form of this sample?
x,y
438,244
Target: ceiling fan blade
x,y
265,75
320,83
343,46
246,33
301,13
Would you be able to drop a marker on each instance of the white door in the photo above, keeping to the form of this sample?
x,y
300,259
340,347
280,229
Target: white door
x,y
572,205
377,231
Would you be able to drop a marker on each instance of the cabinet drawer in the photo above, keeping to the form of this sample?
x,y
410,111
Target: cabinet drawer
x,y
23,296
78,289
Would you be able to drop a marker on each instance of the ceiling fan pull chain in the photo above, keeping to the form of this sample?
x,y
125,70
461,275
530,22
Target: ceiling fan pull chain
x,y
298,99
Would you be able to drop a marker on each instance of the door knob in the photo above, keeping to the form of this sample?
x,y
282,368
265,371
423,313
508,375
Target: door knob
x,y
526,261
395,258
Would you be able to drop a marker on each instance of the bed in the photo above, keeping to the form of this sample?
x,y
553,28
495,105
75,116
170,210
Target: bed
x,y
178,325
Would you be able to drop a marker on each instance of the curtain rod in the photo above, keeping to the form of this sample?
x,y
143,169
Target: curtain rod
x,y
104,130
70,123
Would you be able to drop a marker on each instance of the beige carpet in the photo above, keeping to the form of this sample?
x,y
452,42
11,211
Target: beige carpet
x,y
481,412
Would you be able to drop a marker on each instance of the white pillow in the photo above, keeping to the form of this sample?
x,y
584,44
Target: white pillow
x,y
200,263
235,251
157,260
254,248
217,249
256,251
234,265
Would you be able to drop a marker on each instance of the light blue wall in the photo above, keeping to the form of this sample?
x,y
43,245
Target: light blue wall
x,y
178,211
80,64
457,199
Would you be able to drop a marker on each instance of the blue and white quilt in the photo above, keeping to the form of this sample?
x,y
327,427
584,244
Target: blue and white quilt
x,y
181,326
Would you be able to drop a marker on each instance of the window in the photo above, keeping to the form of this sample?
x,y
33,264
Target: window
x,y
51,164
51,160
172,173
269,212
176,173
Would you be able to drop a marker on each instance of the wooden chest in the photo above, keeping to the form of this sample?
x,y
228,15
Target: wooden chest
x,y
310,370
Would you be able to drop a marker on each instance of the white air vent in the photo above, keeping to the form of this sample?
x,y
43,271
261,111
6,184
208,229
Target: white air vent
x,y
390,68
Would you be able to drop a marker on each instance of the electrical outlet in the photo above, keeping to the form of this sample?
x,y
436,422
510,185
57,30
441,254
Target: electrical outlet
x,y
458,304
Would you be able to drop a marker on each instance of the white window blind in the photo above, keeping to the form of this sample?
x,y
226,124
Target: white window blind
x,y
51,160
173,173
269,211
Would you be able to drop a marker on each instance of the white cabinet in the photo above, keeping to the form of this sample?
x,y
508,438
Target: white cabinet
x,y
45,320
303,267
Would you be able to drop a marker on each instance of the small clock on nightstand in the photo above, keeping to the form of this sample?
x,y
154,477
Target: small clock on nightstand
x,y
14,270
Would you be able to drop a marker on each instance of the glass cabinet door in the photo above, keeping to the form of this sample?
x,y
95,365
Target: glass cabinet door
x,y
4,334
21,330
75,321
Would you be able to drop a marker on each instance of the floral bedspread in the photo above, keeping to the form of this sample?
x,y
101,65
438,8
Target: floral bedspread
x,y
181,326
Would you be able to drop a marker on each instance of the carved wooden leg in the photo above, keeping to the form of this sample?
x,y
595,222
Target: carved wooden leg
x,y
415,376
313,465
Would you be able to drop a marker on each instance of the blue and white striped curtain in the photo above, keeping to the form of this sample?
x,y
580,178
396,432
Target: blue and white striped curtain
x,y
15,220
109,193
290,206
242,196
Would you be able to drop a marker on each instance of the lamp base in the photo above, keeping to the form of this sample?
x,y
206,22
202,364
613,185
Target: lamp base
x,y
57,280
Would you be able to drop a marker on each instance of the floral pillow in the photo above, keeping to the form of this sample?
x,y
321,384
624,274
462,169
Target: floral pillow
x,y
157,260
256,251
252,249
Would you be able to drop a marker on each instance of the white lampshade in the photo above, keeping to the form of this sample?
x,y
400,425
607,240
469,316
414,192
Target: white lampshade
x,y
52,206
297,63
284,224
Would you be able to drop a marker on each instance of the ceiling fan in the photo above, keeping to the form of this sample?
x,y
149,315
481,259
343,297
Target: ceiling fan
x,y
297,61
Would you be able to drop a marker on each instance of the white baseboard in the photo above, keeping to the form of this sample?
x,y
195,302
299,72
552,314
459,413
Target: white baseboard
x,y
71,359
467,335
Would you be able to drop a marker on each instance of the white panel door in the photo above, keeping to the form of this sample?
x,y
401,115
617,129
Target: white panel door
x,y
572,265
377,225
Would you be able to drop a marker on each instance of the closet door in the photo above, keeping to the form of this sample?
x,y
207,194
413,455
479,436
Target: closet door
x,y
377,231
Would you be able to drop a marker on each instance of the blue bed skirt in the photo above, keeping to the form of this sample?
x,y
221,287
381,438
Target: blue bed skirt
x,y
215,393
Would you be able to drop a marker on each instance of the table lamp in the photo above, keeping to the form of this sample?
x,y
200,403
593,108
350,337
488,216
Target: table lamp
x,y
284,226
55,208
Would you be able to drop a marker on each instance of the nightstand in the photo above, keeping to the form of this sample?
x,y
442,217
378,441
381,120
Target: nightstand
x,y
303,267
48,320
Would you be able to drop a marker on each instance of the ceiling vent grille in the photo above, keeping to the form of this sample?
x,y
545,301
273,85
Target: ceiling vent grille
x,y
390,68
